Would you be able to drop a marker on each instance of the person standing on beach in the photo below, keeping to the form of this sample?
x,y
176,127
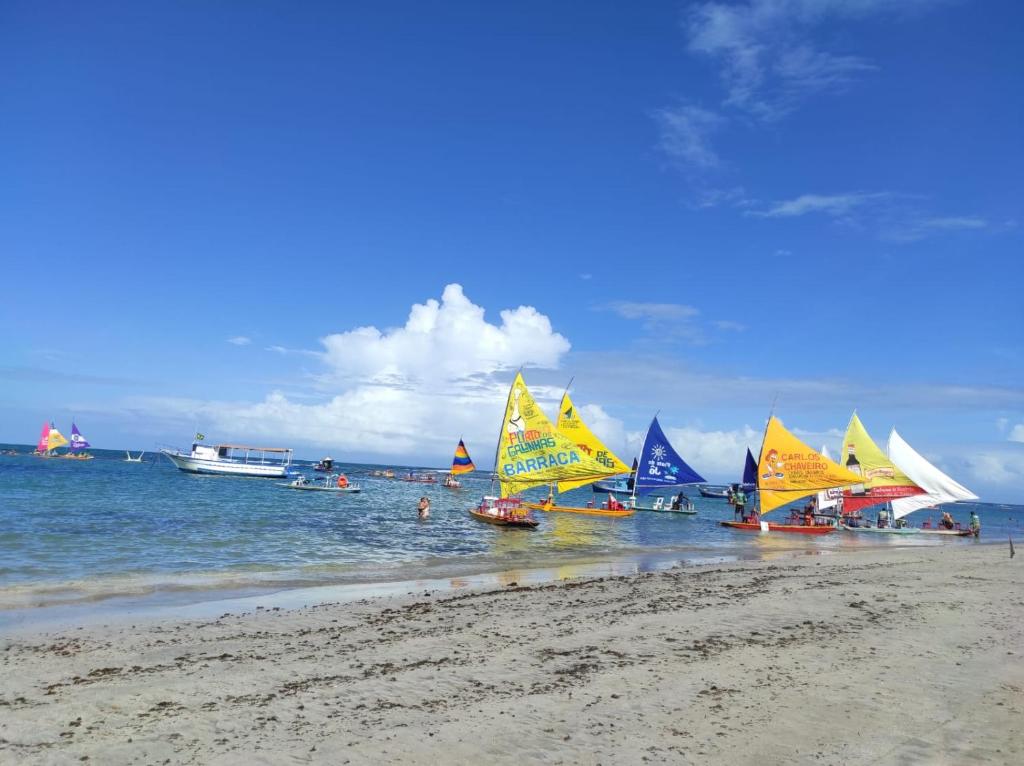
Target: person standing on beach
x,y
424,508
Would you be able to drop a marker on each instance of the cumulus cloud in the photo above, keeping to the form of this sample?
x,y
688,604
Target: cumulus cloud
x,y
1017,433
716,455
410,390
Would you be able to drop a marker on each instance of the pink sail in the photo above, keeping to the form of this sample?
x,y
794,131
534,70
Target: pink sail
x,y
43,438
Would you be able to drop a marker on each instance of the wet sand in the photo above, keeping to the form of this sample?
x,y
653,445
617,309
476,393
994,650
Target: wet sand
x,y
882,656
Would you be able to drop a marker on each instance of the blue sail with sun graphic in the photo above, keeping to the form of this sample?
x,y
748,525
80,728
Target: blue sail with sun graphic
x,y
660,465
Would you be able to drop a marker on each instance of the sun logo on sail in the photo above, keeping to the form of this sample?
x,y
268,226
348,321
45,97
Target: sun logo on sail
x,y
659,451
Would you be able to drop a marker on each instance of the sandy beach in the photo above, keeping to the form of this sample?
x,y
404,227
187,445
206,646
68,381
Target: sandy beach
x,y
893,656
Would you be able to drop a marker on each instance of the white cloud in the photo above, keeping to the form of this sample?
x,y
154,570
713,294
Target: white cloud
x,y
1016,433
685,135
768,63
411,390
1003,469
716,455
730,325
240,340
833,205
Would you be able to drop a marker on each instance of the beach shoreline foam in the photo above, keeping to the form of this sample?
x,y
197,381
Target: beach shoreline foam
x,y
894,655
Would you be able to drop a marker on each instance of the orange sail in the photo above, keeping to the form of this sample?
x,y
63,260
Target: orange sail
x,y
789,470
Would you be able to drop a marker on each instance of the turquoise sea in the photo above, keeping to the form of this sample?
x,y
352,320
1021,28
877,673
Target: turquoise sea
x,y
98,531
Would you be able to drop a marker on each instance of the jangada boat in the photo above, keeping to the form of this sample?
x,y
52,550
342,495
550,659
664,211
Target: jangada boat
x,y
616,511
531,452
421,479
789,470
661,468
461,464
503,512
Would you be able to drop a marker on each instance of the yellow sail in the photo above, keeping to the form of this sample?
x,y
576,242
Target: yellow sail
x,y
531,452
55,439
876,470
789,469
571,424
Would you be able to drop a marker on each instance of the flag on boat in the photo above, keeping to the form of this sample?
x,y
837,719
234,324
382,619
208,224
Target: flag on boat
x,y
789,470
749,473
78,442
531,452
199,437
937,487
880,479
54,439
571,425
44,439
462,463
660,465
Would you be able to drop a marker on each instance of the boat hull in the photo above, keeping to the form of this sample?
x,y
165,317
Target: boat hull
x,y
797,529
584,511
911,531
718,495
680,512
225,467
523,522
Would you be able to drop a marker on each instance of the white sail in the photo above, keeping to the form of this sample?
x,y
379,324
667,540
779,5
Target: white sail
x,y
828,498
938,487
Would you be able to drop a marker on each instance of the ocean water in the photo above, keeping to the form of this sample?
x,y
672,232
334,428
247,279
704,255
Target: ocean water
x,y
81,532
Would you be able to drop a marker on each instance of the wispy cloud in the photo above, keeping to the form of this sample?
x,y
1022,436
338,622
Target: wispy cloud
x,y
240,340
685,135
914,228
661,312
1016,433
832,205
767,58
730,326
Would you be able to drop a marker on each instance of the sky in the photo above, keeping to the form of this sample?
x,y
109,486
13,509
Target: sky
x,y
343,227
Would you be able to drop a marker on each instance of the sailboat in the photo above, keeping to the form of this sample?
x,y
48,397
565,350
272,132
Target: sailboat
x,y
788,470
49,441
749,483
461,463
661,468
604,462
79,445
881,480
936,488
532,453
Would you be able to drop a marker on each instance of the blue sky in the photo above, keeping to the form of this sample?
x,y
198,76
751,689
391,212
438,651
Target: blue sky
x,y
706,205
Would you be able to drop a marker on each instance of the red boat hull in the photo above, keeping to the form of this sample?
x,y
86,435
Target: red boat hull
x,y
798,529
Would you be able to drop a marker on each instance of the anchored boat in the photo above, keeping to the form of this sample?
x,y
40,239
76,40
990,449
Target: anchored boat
x,y
332,483
233,460
660,475
789,470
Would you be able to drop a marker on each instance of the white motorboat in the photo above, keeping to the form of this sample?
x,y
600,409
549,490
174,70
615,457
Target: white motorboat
x,y
233,460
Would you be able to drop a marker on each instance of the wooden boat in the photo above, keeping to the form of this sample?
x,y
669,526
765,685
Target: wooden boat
x,y
789,470
800,529
412,478
607,512
659,504
532,452
910,531
504,512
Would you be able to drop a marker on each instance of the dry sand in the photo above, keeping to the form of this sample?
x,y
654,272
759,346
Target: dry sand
x,y
896,656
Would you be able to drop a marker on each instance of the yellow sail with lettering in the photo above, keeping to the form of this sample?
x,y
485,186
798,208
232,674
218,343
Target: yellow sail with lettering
x,y
789,469
55,439
531,452
571,424
876,469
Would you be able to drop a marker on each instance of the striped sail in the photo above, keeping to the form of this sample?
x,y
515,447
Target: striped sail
x,y
462,463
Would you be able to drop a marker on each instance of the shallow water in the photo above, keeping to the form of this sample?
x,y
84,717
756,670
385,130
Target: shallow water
x,y
72,532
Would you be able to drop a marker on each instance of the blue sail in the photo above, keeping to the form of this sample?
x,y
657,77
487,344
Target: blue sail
x,y
660,465
749,473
